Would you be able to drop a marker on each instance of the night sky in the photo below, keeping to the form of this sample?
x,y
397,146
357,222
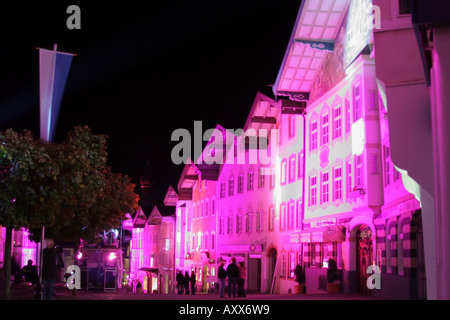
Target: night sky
x,y
144,69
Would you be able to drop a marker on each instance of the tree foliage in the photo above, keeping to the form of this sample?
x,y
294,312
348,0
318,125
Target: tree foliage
x,y
65,186
28,181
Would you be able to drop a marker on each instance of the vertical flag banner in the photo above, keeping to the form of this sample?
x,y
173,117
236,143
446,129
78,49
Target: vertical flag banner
x,y
53,72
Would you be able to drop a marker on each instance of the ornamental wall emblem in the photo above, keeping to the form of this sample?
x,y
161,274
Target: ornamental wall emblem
x,y
324,156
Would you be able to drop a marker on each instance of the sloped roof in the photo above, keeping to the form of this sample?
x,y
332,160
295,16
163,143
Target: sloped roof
x,y
312,39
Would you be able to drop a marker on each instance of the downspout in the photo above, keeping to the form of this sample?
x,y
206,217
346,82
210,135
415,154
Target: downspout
x,y
303,179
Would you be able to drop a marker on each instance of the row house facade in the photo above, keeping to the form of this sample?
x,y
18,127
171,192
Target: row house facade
x,y
153,251
313,174
359,207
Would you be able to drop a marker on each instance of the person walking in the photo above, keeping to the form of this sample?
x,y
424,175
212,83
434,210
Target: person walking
x,y
49,269
222,276
193,282
180,282
187,279
233,274
241,280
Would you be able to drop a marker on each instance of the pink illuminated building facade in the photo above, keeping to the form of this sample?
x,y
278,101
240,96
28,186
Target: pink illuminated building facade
x,y
152,251
357,208
23,249
327,170
246,222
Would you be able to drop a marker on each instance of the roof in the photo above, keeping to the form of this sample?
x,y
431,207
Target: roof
x,y
315,30
171,197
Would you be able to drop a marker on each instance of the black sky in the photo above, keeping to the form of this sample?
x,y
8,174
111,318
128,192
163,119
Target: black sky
x,y
144,69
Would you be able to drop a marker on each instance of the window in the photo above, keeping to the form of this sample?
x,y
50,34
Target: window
x,y
337,183
291,126
313,142
291,215
283,265
239,223
328,253
357,103
300,164
213,207
292,166
221,225
205,242
206,208
349,178
259,220
387,166
359,172
404,6
230,224
337,125
199,241
292,265
348,115
283,216
249,222
396,174
231,187
222,189
250,180
261,178
315,254
271,218
313,191
299,213
325,188
240,187
283,171
272,178
213,241
325,129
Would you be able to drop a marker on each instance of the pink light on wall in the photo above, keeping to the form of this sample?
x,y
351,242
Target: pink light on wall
x,y
112,256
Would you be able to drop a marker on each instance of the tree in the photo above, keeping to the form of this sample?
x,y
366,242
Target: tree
x,y
27,181
66,187
93,197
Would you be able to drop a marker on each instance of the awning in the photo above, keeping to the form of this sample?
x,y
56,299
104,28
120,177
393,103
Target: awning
x,y
333,233
150,271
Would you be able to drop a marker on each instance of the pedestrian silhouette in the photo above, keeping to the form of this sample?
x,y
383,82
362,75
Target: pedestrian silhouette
x,y
30,272
233,274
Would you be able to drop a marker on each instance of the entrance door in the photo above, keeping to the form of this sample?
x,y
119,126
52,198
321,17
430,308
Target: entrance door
x,y
254,275
205,275
364,256
271,264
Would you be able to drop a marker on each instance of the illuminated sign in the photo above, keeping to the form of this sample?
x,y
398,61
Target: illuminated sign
x,y
360,22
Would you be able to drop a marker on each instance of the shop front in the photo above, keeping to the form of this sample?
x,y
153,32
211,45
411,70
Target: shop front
x,y
251,255
319,245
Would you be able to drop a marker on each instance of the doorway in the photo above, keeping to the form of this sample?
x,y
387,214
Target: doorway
x,y
254,275
364,256
271,266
